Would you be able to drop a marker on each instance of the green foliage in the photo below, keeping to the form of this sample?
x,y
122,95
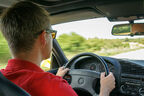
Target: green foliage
x,y
71,42
114,43
76,43
4,50
138,40
94,44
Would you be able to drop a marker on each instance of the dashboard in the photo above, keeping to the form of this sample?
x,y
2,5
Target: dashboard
x,y
129,73
92,64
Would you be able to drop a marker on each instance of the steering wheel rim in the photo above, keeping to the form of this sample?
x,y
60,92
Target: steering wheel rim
x,y
82,77
88,54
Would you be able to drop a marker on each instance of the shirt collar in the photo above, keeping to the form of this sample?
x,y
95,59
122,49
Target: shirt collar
x,y
18,64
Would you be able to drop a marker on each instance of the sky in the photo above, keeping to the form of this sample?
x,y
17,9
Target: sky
x,y
100,28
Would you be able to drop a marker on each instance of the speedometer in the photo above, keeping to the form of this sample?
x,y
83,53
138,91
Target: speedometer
x,y
93,66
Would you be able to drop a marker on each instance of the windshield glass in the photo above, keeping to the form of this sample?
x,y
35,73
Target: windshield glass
x,y
94,35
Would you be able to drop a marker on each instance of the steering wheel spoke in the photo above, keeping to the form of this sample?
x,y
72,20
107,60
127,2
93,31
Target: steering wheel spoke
x,y
83,72
84,79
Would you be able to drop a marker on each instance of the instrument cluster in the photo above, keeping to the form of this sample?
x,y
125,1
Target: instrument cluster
x,y
94,65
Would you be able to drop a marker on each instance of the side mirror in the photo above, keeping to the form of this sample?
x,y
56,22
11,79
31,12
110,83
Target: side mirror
x,y
128,29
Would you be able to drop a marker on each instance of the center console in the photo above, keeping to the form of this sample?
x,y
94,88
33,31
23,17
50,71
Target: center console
x,y
132,85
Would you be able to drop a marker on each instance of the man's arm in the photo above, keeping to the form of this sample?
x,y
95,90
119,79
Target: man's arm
x,y
47,84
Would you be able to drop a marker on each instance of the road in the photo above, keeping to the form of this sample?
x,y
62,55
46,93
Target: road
x,y
138,55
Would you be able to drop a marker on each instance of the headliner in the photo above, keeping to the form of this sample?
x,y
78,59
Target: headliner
x,y
70,10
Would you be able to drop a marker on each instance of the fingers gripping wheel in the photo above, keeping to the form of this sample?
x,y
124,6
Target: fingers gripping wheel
x,y
84,79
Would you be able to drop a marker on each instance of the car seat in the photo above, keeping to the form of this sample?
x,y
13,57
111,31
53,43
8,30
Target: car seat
x,y
7,88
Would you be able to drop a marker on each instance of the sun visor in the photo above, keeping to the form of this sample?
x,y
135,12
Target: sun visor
x,y
73,16
122,10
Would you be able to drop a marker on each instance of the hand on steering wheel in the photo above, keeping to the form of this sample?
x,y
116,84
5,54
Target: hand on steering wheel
x,y
62,71
85,79
107,84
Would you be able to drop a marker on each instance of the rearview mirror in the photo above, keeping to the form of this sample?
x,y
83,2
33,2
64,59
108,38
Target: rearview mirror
x,y
128,29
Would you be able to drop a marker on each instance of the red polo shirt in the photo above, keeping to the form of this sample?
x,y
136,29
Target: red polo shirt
x,y
35,81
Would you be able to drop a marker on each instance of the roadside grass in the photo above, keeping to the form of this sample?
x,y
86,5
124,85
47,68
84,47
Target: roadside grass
x,y
4,57
108,52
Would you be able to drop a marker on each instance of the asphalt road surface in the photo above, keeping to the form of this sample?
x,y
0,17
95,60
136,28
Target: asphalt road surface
x,y
137,55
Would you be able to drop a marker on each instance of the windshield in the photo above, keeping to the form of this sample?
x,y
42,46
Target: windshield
x,y
94,35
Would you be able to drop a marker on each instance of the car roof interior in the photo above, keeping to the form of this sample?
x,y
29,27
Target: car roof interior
x,y
71,10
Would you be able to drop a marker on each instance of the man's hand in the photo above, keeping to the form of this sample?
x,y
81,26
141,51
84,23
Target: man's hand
x,y
107,84
62,71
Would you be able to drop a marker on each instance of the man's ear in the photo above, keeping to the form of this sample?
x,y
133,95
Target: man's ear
x,y
43,39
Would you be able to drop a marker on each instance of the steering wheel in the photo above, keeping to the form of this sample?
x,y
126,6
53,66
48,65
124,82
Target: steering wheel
x,y
85,79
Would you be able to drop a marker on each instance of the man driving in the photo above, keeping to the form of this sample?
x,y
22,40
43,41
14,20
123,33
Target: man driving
x,y
27,29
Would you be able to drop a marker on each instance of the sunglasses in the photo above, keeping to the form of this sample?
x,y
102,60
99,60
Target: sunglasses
x,y
52,32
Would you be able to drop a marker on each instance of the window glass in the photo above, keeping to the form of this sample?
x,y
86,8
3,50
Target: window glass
x,y
4,52
94,35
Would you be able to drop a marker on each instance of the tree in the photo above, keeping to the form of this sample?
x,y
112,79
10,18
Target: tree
x,y
71,42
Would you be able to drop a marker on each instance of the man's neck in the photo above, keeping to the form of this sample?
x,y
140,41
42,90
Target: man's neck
x,y
33,57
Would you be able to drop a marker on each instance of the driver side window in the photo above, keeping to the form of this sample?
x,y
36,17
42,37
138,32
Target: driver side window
x,y
4,52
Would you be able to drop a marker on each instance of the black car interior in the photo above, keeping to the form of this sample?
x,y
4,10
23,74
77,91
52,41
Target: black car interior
x,y
7,88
